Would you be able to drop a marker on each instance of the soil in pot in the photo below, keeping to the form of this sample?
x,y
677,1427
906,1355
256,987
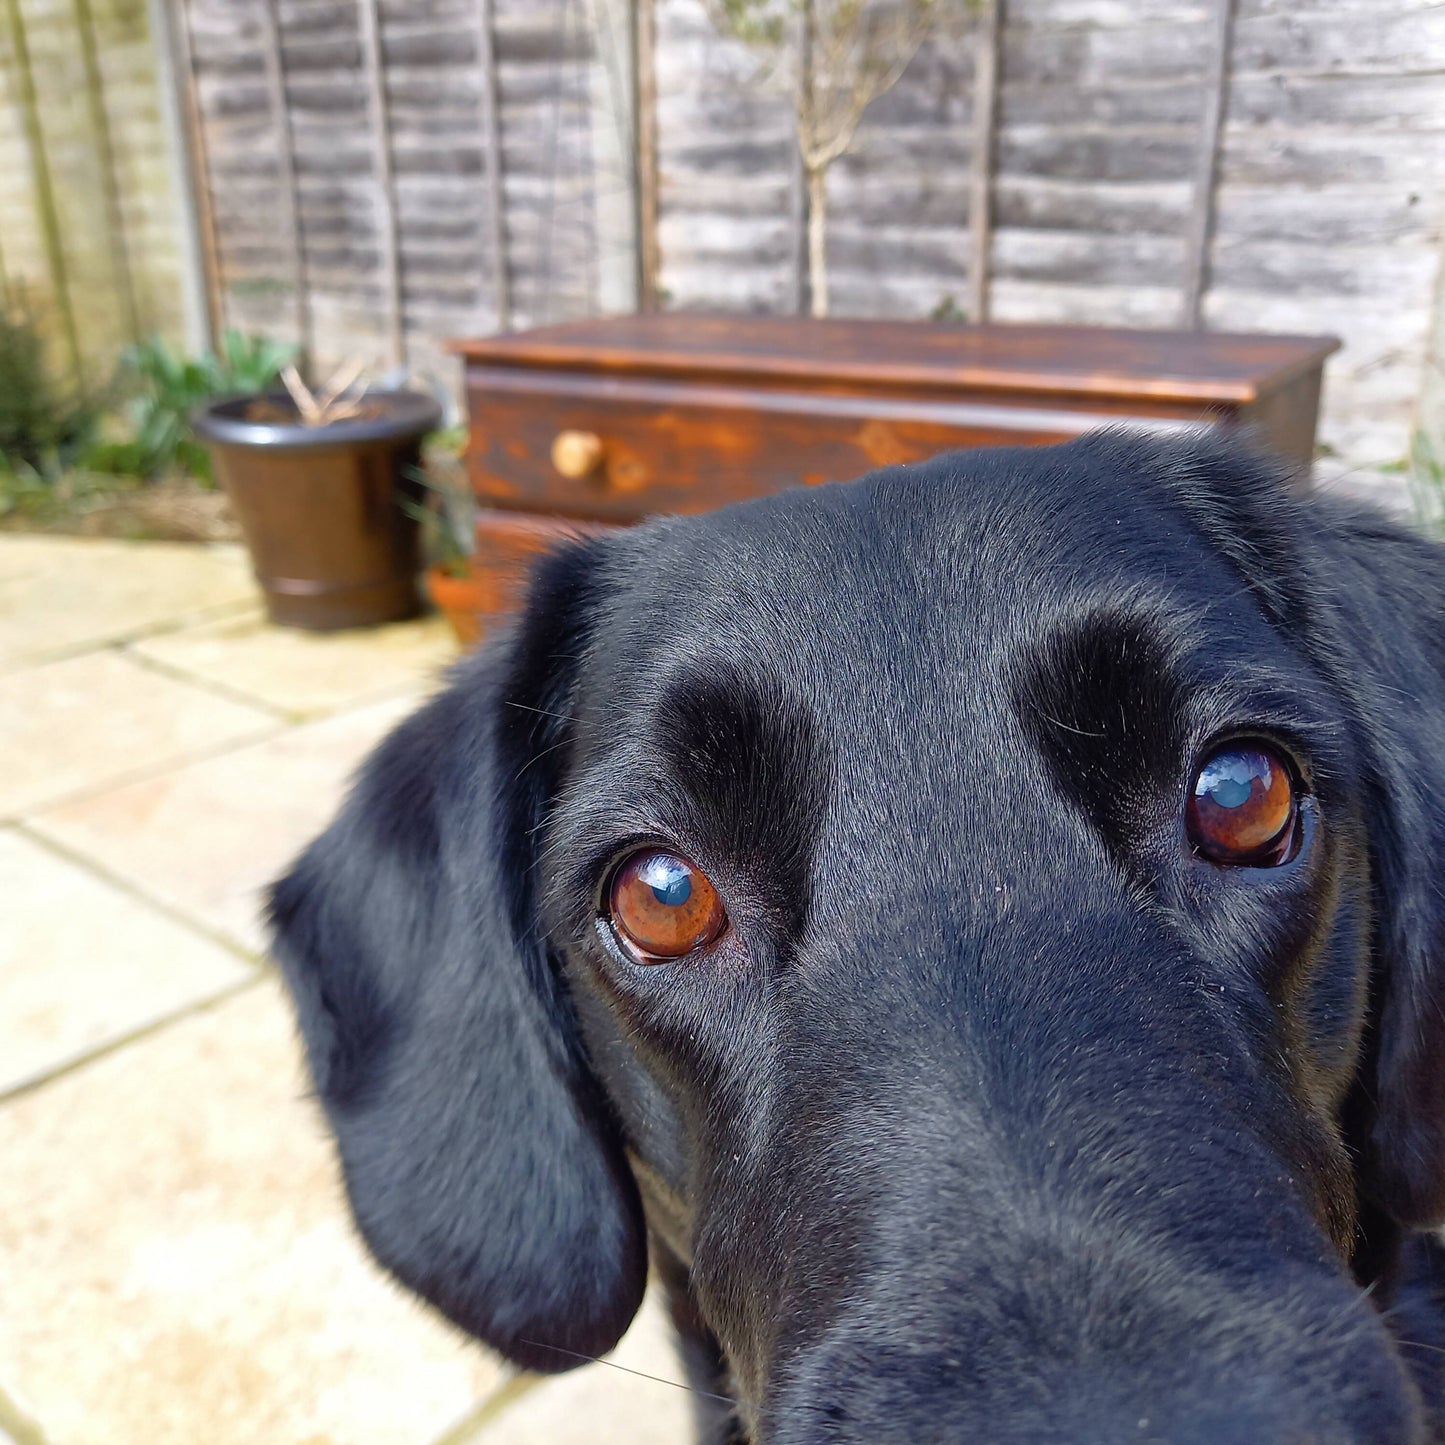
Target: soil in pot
x,y
320,507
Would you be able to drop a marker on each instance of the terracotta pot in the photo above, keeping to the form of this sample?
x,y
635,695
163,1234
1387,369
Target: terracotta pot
x,y
330,544
462,600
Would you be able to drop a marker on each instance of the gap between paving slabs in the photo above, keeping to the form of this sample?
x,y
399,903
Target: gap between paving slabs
x,y
130,650
63,597
93,722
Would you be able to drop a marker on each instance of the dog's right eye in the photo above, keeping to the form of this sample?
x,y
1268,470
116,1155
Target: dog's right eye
x,y
1243,808
663,906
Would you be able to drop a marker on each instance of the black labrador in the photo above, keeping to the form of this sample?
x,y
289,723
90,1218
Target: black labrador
x,y
979,931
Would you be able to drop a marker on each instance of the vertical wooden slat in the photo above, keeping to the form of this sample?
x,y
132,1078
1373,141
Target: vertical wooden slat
x,y
985,127
799,281
290,201
205,307
46,212
492,144
1200,226
104,143
615,263
649,256
635,22
385,187
198,160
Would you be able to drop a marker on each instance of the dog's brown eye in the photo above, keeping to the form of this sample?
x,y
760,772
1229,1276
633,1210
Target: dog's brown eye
x,y
1242,810
663,906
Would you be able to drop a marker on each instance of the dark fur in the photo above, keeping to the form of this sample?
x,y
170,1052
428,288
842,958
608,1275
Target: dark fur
x,y
996,1114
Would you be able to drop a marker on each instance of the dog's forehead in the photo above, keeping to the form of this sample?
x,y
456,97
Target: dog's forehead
x,y
909,581
893,644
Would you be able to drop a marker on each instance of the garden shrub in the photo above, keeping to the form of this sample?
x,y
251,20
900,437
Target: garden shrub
x,y
42,425
165,387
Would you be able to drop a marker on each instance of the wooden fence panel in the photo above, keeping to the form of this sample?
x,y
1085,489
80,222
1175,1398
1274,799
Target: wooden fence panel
x,y
433,81
1325,213
904,193
725,161
1331,198
90,236
1098,146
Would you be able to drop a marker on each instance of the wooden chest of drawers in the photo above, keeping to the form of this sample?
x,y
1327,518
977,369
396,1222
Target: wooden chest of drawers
x,y
607,421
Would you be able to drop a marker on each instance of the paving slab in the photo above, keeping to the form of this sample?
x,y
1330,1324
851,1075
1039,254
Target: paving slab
x,y
205,839
602,1405
83,964
305,673
85,722
179,1265
60,595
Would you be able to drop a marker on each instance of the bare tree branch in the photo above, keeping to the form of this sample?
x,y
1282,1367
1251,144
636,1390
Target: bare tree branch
x,y
835,58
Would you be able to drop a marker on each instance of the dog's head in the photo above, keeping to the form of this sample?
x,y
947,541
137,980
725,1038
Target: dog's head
x,y
985,921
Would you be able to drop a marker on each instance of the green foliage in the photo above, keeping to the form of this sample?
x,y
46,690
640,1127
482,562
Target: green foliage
x,y
164,388
761,23
948,310
448,509
853,28
41,425
48,494
22,487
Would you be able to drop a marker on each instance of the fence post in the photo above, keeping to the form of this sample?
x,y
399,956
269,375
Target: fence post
x,y
290,202
492,145
202,303
385,188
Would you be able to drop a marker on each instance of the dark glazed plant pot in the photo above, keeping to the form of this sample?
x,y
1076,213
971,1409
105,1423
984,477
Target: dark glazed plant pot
x,y
320,507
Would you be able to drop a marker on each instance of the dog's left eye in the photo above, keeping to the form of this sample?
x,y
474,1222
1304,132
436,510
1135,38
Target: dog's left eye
x,y
1242,808
663,906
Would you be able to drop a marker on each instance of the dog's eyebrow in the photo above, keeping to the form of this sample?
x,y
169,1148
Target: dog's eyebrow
x,y
752,760
713,758
1107,673
1099,696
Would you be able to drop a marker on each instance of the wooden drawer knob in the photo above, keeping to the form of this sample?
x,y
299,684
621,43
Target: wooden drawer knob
x,y
577,454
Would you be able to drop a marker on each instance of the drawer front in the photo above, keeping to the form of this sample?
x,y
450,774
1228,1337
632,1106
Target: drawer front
x,y
588,446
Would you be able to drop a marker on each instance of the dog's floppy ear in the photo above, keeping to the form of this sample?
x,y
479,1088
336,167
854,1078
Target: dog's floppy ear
x,y
482,1166
1386,589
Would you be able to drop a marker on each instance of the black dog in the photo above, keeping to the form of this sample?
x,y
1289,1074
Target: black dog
x,y
980,928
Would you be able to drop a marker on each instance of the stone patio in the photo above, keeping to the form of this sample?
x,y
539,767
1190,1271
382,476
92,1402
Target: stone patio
x,y
176,1262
